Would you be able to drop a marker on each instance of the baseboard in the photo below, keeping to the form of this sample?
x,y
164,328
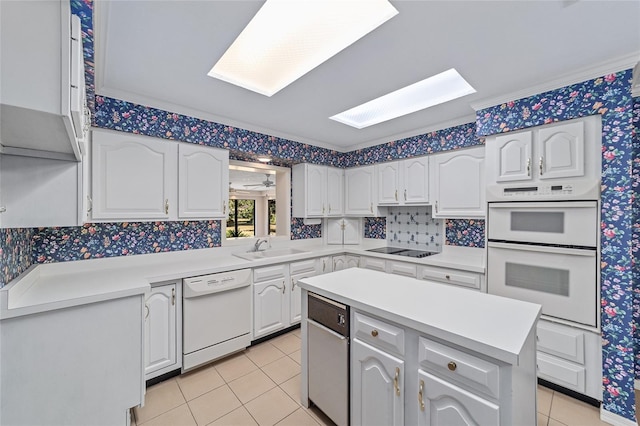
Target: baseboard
x,y
615,419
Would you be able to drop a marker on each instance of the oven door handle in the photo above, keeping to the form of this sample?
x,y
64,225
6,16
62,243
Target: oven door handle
x,y
543,249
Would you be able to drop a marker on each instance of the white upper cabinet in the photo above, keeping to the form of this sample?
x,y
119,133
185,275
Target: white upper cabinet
x,y
459,184
551,151
42,111
359,191
561,150
513,155
335,191
403,182
133,177
203,176
142,178
317,191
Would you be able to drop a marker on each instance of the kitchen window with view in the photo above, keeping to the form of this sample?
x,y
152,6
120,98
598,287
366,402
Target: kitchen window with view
x,y
259,201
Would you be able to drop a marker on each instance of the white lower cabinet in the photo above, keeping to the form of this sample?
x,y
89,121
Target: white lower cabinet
x,y
325,265
373,263
162,326
400,376
401,268
472,280
344,261
570,357
270,299
298,271
441,403
377,386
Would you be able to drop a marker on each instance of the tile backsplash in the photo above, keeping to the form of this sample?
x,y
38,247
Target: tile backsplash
x,y
415,228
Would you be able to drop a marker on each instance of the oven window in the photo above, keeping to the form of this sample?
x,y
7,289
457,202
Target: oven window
x,y
538,222
537,278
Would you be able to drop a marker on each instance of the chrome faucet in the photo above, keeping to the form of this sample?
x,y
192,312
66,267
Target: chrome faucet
x,y
259,242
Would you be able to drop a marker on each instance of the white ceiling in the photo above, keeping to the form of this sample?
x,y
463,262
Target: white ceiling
x,y
158,53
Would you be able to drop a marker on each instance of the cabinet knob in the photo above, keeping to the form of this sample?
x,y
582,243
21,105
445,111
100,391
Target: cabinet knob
x,y
541,165
374,333
452,366
529,167
173,296
448,277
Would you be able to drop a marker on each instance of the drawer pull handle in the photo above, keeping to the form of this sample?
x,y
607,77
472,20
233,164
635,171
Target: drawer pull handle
x,y
420,392
448,277
396,379
452,366
374,333
146,307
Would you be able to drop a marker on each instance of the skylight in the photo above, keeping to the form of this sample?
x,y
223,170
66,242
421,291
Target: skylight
x,y
287,39
440,88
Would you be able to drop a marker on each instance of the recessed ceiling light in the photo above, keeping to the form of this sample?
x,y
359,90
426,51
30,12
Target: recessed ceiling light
x,y
287,39
440,88
264,159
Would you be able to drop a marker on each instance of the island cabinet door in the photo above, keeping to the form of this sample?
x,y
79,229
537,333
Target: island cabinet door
x,y
377,386
442,403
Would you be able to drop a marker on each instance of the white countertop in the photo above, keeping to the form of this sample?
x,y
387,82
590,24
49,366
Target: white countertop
x,y
58,285
488,324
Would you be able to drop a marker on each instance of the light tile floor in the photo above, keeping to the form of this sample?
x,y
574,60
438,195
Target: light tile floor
x,y
261,386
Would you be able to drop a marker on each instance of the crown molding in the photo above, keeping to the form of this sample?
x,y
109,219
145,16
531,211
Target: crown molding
x,y
635,85
597,70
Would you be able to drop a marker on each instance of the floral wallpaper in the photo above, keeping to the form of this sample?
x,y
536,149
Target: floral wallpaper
x,y
375,227
635,237
415,146
609,96
15,252
97,240
464,232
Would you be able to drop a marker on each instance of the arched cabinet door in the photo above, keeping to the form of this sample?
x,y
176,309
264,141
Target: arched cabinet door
x,y
561,149
377,386
512,154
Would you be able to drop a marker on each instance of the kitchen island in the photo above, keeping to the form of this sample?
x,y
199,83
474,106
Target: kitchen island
x,y
426,353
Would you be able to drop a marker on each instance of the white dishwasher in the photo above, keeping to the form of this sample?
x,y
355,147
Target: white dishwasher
x,y
216,313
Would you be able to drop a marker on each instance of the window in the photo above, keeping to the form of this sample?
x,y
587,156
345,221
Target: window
x,y
241,221
259,201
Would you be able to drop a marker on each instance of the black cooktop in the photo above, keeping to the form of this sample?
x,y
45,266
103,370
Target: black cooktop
x,y
402,252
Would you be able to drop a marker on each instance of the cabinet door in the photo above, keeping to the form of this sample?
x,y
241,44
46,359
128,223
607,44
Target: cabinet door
x,y
359,190
352,261
459,184
326,265
373,263
377,386
388,175
316,190
160,329
561,150
203,176
441,403
335,191
133,177
295,298
511,157
335,231
271,310
351,230
339,262
415,180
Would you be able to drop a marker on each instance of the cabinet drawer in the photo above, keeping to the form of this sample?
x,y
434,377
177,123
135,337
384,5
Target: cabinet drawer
x,y
378,333
269,273
462,367
311,265
561,340
372,263
450,276
402,268
561,372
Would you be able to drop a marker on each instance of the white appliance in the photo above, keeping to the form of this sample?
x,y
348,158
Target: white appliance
x,y
216,316
546,253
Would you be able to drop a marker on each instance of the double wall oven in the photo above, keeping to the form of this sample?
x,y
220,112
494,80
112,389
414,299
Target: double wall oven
x,y
547,253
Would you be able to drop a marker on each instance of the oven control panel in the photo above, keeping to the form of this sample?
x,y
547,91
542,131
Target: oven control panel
x,y
539,191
